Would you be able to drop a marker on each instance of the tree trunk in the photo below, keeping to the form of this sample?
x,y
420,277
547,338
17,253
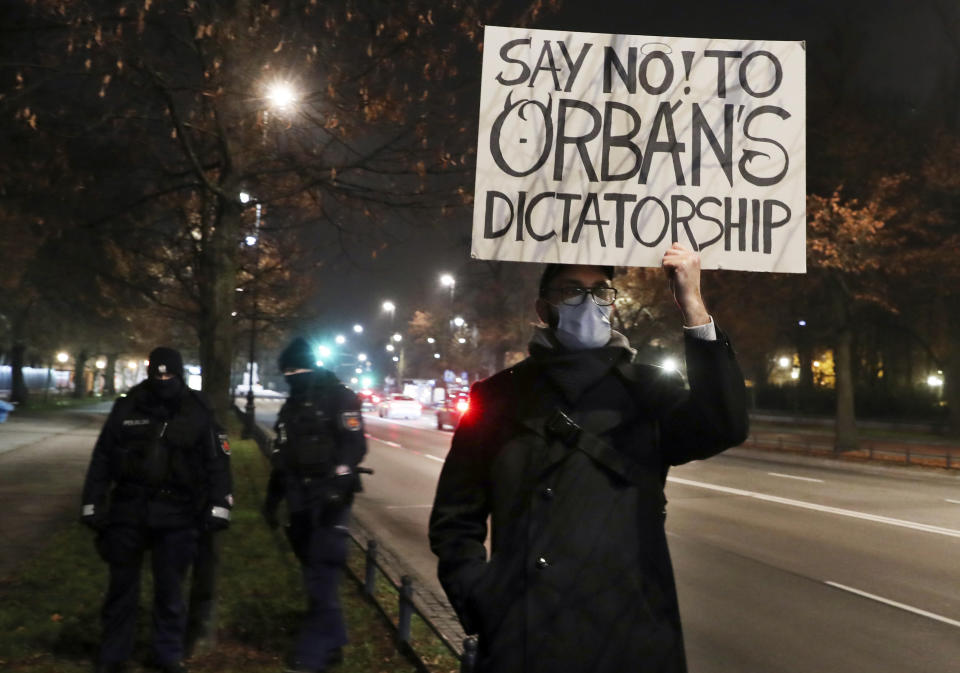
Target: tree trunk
x,y
846,422
18,386
217,294
79,382
110,375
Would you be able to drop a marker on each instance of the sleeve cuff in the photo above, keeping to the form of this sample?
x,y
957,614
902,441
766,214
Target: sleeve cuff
x,y
706,332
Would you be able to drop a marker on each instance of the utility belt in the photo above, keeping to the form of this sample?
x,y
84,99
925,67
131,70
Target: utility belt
x,y
133,491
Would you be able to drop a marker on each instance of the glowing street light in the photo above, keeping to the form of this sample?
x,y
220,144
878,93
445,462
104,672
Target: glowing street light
x,y
341,339
390,348
282,95
101,363
62,357
324,351
398,337
784,361
431,340
358,328
459,322
362,357
670,365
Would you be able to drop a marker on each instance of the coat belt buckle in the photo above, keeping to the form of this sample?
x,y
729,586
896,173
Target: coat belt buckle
x,y
563,428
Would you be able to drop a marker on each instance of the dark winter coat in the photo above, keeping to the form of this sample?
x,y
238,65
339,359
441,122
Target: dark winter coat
x,y
160,465
579,579
317,431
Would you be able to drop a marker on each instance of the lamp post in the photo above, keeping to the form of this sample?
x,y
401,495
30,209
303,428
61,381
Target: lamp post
x,y
253,241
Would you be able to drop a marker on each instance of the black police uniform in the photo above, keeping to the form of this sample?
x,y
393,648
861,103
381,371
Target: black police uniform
x,y
159,473
319,433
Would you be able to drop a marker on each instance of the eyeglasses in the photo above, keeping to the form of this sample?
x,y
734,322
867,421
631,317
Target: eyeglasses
x,y
574,295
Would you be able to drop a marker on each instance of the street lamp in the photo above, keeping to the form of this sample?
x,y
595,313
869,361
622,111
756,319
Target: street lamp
x,y
358,328
391,308
282,95
340,339
251,240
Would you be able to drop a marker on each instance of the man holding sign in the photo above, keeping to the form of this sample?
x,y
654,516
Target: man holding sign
x,y
567,453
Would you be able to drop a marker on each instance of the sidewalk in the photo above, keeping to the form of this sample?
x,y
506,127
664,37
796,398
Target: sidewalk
x,y
43,461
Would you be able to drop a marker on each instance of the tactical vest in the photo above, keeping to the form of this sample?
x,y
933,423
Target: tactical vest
x,y
307,435
157,453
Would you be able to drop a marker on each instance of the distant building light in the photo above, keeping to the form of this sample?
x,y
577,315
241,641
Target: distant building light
x,y
784,362
396,359
436,356
62,357
802,323
934,381
358,328
390,348
101,364
462,340
431,340
362,357
251,240
131,365
341,339
816,364
397,337
794,373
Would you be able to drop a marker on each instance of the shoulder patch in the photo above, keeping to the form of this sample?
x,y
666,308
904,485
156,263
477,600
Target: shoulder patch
x,y
136,421
222,441
351,420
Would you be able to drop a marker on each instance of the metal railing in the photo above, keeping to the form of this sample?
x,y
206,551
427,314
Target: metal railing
x,y
907,453
405,610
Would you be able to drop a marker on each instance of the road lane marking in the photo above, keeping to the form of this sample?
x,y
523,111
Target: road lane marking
x,y
401,446
791,476
955,502
949,532
902,606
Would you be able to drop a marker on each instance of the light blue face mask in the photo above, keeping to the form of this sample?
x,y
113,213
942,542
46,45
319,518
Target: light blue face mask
x,y
584,326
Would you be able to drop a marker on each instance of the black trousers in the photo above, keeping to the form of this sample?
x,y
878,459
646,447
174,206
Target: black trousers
x,y
171,551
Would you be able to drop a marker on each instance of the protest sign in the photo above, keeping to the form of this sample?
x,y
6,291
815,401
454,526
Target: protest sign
x,y
605,149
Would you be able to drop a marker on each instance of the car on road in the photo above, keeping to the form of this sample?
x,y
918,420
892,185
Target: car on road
x,y
369,399
396,405
453,409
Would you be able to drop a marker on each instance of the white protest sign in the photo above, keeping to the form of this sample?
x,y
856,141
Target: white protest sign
x,y
605,149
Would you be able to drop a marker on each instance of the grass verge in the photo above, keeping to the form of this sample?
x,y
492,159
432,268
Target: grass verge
x,y
49,619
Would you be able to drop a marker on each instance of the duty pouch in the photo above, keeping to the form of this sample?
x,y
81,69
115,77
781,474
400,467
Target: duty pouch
x,y
310,442
145,458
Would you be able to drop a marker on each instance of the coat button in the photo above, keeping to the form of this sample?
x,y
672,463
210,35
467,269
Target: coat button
x,y
548,493
542,563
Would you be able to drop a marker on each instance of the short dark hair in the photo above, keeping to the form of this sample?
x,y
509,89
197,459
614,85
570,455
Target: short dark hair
x,y
551,271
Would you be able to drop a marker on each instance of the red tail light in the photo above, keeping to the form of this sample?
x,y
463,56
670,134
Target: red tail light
x,y
462,406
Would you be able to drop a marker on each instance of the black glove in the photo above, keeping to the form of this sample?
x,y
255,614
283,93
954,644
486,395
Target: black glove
x,y
342,486
215,520
95,521
269,512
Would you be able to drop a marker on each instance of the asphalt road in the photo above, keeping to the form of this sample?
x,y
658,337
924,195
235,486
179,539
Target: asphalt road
x,y
784,564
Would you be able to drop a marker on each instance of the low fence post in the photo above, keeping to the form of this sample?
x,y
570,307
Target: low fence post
x,y
406,609
370,571
469,659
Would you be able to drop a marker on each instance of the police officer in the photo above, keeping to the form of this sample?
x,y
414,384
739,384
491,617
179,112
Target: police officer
x,y
318,446
160,473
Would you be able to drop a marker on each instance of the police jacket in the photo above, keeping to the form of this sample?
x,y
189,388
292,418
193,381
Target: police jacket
x,y
567,454
318,430
159,464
